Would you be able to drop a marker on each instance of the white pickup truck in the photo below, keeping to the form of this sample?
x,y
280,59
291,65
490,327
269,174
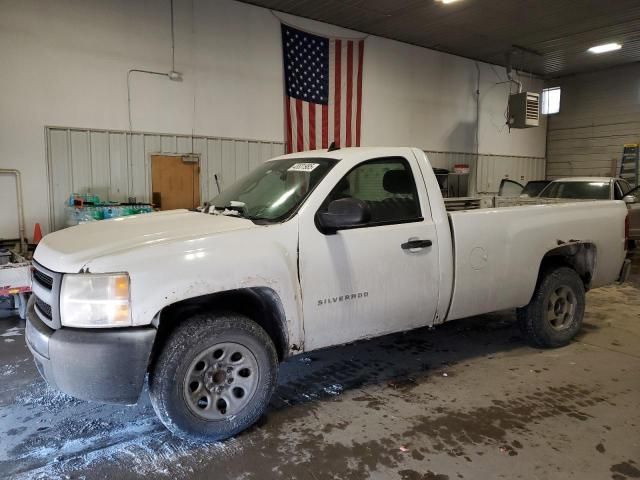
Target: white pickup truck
x,y
307,251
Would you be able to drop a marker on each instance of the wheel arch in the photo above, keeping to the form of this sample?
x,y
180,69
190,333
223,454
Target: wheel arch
x,y
579,255
261,304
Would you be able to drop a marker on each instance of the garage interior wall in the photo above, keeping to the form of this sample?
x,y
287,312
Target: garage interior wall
x,y
117,165
599,113
66,63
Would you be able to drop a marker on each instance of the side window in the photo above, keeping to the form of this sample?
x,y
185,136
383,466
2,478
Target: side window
x,y
618,191
386,185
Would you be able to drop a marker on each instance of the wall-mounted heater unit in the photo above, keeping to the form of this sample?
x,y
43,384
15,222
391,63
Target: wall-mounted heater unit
x,y
524,110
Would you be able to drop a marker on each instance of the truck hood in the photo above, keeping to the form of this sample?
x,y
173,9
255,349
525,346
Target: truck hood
x,y
70,249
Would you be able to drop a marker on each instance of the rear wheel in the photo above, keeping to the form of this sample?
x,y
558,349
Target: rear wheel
x,y
214,377
554,315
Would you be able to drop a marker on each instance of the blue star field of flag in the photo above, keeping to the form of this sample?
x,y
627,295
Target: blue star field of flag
x,y
306,65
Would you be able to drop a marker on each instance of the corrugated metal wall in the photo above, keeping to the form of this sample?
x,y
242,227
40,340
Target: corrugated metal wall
x,y
589,151
116,165
488,170
599,113
493,168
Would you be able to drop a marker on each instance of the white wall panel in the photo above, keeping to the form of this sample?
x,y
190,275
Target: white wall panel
x,y
118,168
115,165
139,180
184,144
242,158
80,170
277,149
200,149
492,169
486,171
214,154
228,158
255,150
168,143
60,182
99,162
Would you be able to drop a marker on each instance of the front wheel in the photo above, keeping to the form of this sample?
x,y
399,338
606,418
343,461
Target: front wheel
x,y
554,314
214,377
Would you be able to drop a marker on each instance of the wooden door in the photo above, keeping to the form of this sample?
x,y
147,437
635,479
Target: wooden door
x,y
174,182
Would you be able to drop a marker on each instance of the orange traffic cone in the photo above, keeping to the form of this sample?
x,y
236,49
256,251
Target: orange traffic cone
x,y
37,233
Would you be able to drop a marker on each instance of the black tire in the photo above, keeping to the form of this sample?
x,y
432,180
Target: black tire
x,y
172,396
541,320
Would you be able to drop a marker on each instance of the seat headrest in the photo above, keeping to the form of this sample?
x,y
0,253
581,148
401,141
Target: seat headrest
x,y
397,181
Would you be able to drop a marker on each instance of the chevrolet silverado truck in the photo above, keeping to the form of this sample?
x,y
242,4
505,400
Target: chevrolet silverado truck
x,y
309,250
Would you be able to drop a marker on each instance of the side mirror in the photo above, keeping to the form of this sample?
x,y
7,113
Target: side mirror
x,y
629,199
343,213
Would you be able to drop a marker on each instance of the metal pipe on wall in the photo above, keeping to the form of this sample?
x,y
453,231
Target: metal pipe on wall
x,y
21,227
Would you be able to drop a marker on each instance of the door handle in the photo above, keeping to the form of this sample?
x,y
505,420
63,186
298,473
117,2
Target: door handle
x,y
411,244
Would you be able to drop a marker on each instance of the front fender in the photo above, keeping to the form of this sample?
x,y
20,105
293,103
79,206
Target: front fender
x,y
164,274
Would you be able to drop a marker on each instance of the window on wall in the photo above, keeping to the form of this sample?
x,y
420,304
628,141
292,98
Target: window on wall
x,y
550,100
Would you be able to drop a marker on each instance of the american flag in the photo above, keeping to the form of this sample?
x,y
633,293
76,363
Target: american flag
x,y
323,90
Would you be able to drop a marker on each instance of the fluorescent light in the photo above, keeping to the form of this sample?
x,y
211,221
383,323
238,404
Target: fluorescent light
x,y
607,47
448,1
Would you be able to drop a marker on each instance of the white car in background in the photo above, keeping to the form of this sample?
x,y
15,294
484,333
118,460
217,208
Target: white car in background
x,y
598,188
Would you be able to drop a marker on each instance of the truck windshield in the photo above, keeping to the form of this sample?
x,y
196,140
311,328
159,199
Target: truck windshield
x,y
272,191
582,190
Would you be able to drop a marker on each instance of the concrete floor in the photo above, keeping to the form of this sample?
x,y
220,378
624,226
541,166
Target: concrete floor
x,y
468,400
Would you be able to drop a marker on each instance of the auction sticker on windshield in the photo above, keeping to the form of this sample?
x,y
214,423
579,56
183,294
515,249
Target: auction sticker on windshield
x,y
303,167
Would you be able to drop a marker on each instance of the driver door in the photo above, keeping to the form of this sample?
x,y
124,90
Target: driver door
x,y
365,281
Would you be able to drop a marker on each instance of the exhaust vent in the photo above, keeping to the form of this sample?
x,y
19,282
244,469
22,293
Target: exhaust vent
x,y
524,110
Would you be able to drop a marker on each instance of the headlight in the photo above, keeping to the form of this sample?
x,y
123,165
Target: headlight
x,y
95,300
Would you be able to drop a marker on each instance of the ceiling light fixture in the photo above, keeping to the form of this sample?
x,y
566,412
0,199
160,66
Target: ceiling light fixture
x,y
607,47
448,1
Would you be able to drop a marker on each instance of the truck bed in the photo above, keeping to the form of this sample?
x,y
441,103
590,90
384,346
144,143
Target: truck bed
x,y
497,251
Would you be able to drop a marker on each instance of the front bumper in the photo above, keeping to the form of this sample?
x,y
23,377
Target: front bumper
x,y
103,365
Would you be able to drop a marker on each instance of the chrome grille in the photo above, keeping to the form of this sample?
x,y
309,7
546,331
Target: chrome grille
x,y
46,289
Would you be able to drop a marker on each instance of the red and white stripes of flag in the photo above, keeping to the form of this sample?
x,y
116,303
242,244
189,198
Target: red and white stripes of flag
x,y
315,124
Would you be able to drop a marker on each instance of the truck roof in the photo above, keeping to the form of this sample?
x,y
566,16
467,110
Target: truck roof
x,y
338,153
